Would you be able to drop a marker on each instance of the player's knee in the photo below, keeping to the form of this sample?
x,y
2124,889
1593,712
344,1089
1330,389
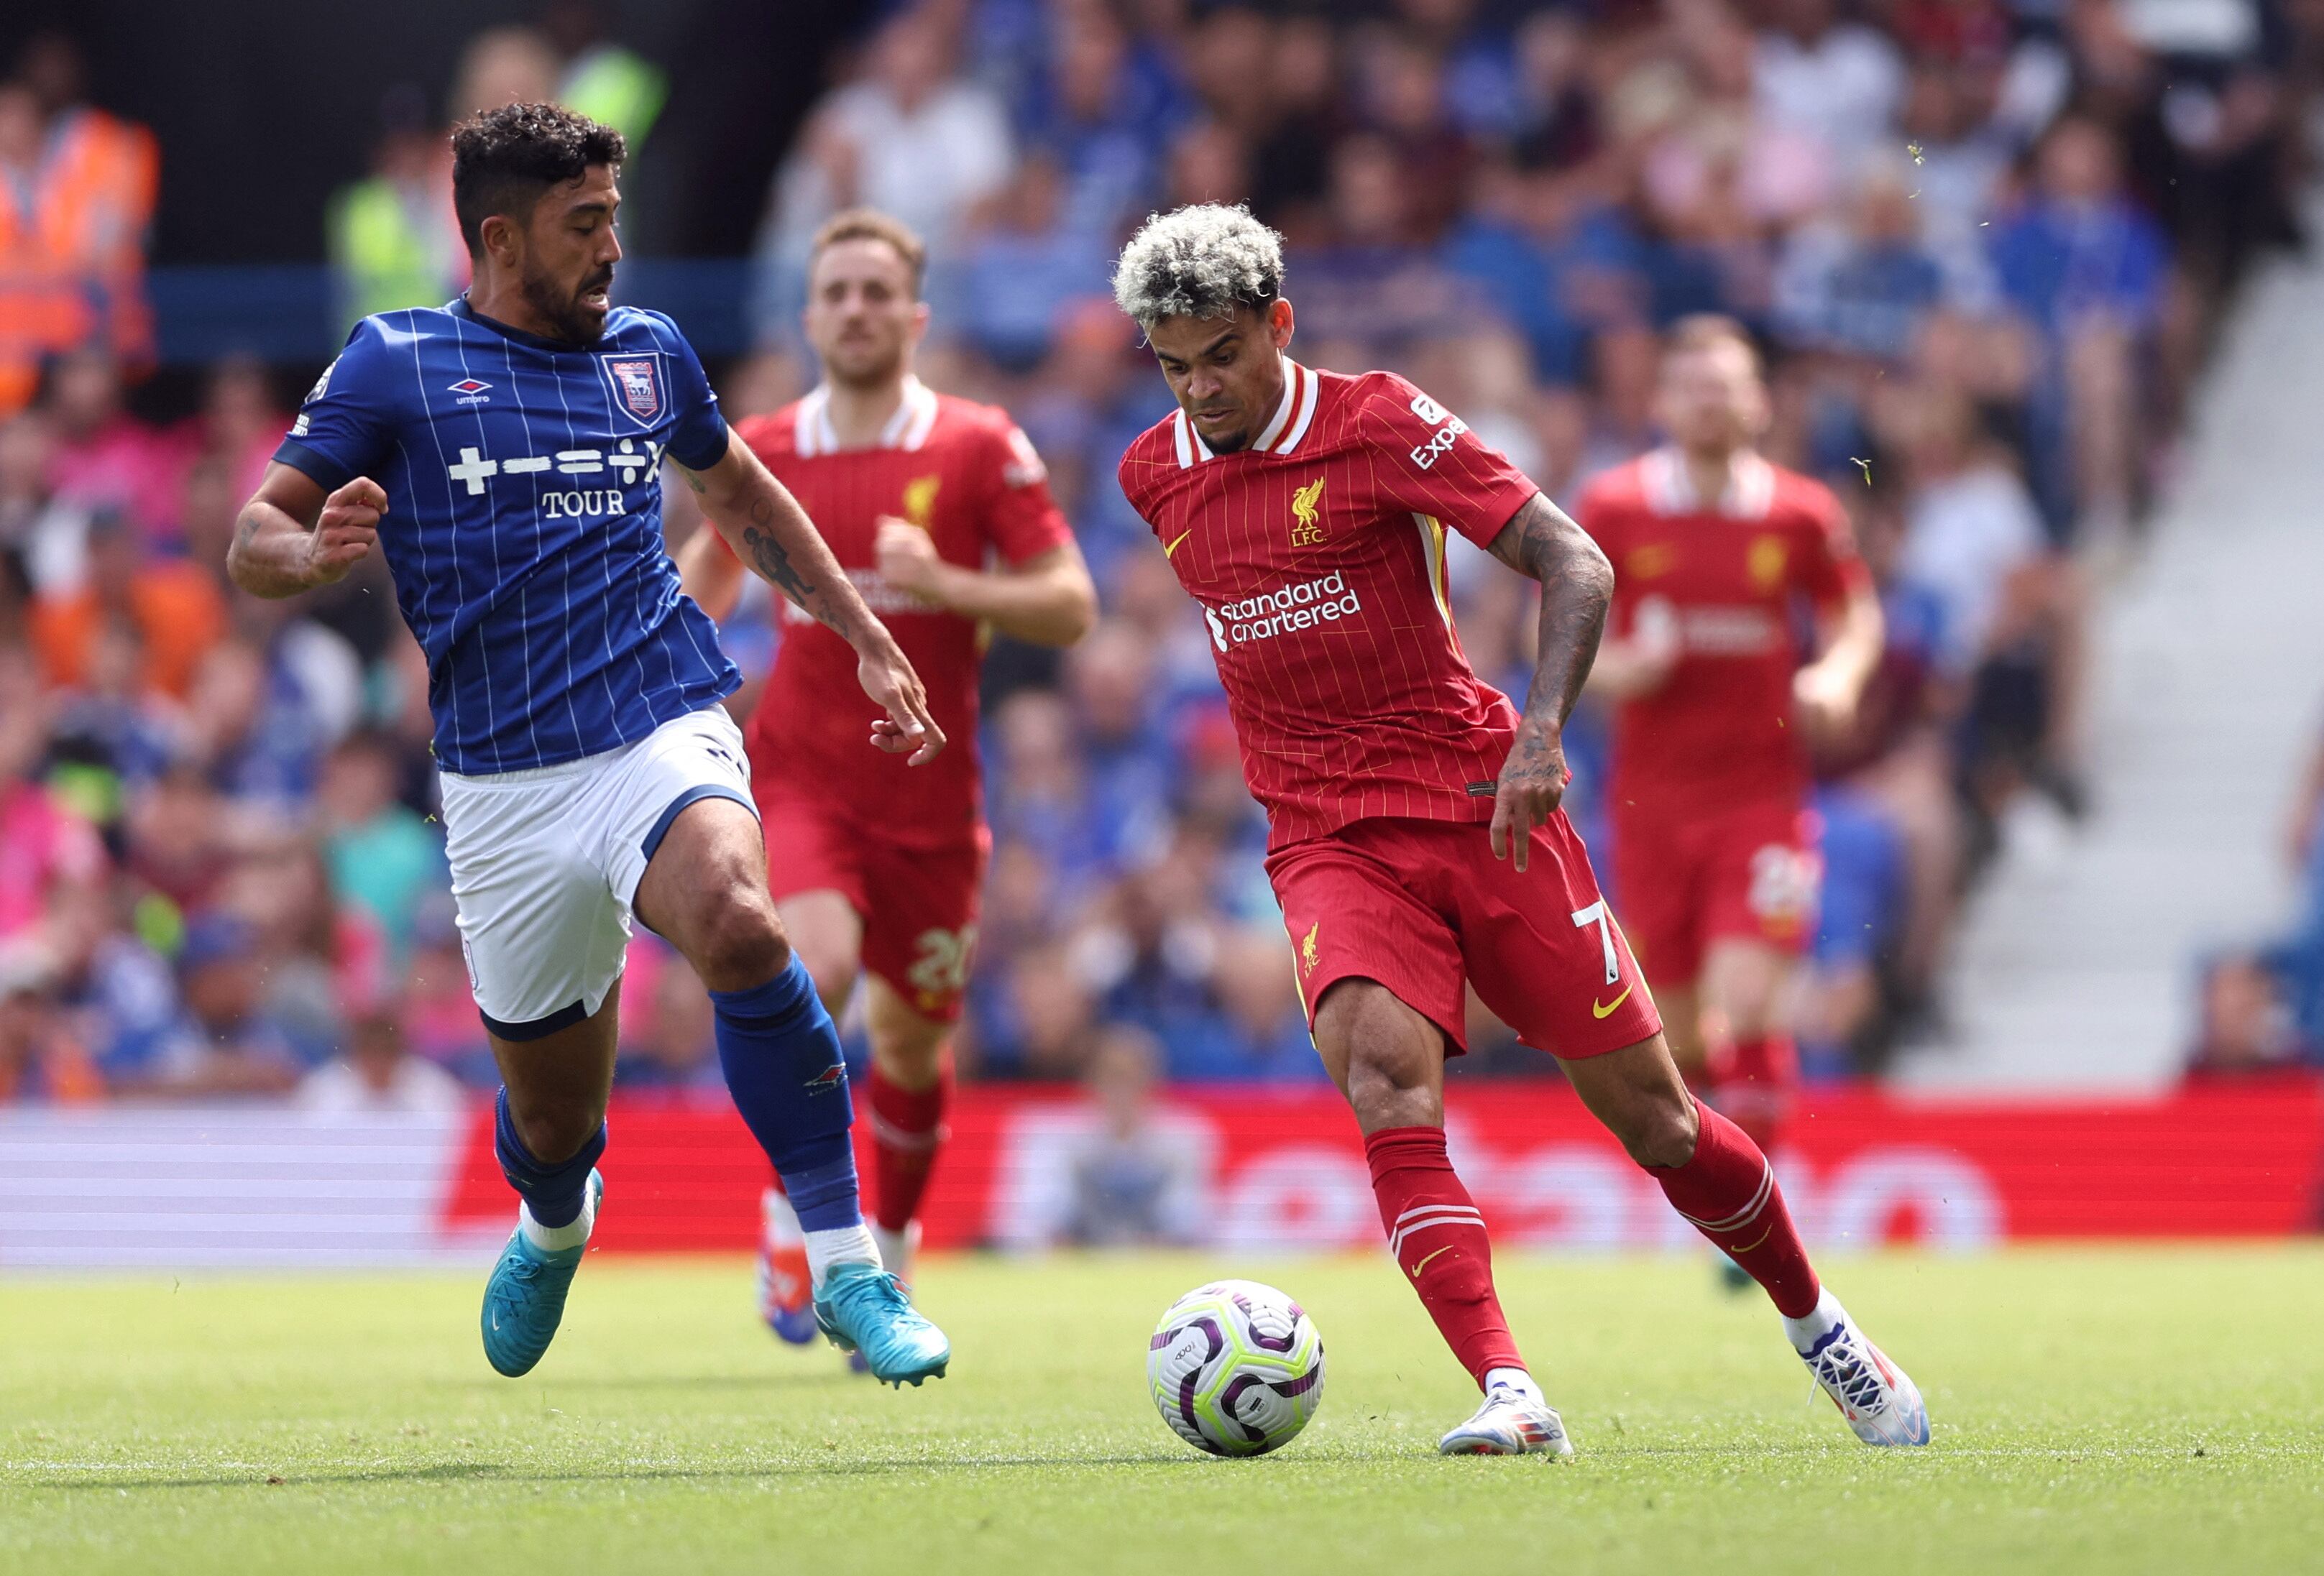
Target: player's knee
x,y
909,1060
741,943
553,1131
1658,1133
1392,1079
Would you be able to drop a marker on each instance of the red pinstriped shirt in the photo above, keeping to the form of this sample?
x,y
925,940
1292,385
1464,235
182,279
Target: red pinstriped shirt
x,y
1317,554
965,475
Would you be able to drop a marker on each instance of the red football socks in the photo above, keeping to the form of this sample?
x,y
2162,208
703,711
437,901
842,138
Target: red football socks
x,y
1438,1240
1754,1080
1728,1192
907,1130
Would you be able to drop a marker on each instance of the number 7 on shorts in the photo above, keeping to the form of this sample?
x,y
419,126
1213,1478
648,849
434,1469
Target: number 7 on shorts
x,y
1596,914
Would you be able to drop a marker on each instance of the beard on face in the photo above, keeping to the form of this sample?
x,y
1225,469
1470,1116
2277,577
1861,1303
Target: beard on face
x,y
573,320
865,363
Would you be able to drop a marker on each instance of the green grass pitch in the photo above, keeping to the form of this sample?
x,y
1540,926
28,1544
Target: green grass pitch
x,y
2147,1410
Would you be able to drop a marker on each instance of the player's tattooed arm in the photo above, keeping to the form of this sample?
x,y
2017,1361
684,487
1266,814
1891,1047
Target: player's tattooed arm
x,y
772,559
1577,584
291,537
773,536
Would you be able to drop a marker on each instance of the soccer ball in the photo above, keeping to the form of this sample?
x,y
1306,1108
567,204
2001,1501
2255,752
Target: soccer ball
x,y
1236,1367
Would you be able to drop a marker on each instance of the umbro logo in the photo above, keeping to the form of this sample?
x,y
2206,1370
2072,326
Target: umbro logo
x,y
471,392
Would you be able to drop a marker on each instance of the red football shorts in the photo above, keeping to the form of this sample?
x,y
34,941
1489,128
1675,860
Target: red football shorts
x,y
918,906
1749,873
1423,908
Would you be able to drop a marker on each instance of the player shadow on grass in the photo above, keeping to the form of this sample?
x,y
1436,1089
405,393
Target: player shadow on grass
x,y
500,1473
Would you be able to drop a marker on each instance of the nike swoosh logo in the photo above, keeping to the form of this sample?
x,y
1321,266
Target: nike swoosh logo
x,y
1425,1263
1601,1010
1172,548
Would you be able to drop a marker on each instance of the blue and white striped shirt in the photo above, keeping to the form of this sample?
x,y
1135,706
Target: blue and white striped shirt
x,y
524,521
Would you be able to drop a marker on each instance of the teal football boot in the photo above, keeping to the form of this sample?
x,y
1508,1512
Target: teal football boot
x,y
525,1299
862,1308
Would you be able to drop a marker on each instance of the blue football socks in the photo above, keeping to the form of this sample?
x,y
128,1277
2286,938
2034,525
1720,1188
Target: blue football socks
x,y
552,1194
783,1063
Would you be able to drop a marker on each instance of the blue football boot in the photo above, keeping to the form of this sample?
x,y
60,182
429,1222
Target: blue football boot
x,y
525,1299
862,1308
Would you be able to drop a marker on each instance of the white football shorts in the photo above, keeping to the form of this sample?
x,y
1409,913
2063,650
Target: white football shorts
x,y
545,865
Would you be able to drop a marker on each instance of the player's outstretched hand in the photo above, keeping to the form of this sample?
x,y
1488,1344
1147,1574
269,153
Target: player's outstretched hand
x,y
1531,785
887,677
344,533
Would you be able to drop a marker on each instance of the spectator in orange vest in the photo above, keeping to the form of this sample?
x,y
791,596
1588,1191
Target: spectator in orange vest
x,y
75,206
76,193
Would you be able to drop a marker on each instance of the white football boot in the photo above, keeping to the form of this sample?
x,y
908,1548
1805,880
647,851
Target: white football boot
x,y
1513,1421
1880,1403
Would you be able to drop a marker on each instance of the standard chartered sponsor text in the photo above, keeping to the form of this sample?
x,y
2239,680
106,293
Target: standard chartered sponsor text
x,y
1299,606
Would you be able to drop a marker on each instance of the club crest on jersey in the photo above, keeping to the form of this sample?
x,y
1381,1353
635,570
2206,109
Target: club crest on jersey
x,y
637,386
1306,532
921,500
1764,561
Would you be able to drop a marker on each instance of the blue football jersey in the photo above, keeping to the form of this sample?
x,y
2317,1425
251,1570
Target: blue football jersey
x,y
523,525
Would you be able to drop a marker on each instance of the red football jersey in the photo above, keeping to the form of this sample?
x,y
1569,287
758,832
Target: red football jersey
x,y
1729,581
963,472
1317,554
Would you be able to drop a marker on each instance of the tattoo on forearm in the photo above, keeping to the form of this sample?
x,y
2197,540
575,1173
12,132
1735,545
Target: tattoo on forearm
x,y
1576,586
773,560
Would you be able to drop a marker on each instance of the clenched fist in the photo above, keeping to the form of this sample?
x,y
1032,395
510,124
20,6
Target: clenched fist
x,y
345,531
908,561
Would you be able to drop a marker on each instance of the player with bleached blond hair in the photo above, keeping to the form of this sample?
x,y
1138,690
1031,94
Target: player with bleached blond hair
x,y
1416,839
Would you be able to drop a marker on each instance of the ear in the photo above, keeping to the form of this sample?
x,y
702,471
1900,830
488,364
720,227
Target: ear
x,y
502,239
919,321
1279,323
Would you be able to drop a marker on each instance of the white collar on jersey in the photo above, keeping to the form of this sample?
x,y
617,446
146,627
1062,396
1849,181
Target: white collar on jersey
x,y
1301,388
907,428
1670,487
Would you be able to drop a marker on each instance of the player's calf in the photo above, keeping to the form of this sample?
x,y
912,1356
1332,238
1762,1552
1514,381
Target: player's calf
x,y
525,1300
1389,1059
1708,1168
910,1088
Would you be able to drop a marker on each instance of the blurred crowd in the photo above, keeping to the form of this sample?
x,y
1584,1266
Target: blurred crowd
x,y
1984,242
